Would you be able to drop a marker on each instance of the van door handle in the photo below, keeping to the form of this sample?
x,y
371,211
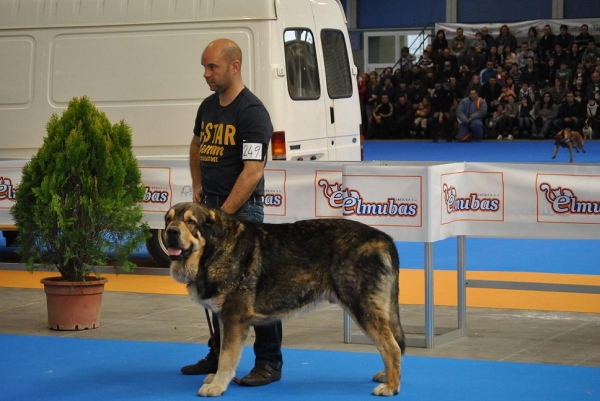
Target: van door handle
x,y
332,115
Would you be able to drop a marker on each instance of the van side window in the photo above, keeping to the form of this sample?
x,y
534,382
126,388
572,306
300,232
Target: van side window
x,y
301,64
337,67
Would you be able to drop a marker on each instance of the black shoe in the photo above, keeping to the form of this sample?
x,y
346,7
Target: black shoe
x,y
261,375
202,367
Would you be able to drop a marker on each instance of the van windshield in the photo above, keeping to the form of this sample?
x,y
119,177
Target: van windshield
x,y
301,64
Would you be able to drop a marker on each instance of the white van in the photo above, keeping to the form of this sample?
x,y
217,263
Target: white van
x,y
140,61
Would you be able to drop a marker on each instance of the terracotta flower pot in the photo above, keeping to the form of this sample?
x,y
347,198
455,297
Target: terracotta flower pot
x,y
73,305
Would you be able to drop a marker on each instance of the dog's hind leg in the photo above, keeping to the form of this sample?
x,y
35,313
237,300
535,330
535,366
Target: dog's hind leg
x,y
377,315
378,328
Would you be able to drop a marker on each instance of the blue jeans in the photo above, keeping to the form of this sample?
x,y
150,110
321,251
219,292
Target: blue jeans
x,y
267,346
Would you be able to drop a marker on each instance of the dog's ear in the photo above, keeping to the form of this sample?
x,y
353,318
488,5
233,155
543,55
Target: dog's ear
x,y
213,221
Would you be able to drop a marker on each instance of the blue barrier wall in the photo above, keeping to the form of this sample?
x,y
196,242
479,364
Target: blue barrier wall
x,y
474,11
377,14
374,14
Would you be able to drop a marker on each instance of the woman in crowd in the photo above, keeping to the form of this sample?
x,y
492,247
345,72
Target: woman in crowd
x,y
440,43
558,92
507,58
544,114
506,38
532,40
525,117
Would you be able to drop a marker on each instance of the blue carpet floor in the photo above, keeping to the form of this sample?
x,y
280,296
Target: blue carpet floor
x,y
486,151
57,368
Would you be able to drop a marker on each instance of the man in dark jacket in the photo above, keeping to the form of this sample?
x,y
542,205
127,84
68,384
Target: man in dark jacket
x,y
570,114
546,43
440,123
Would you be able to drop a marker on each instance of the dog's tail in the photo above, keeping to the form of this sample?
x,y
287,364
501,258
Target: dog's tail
x,y
395,324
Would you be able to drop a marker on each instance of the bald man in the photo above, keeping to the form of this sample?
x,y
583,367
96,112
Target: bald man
x,y
227,158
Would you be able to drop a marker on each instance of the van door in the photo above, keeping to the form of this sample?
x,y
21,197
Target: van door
x,y
340,87
322,120
305,118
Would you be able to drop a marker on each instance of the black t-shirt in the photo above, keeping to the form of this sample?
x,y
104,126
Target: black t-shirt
x,y
229,136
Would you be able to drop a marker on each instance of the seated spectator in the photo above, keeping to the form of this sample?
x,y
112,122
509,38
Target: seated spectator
x,y
470,114
564,73
560,54
479,42
406,61
546,43
511,117
445,56
580,73
440,124
588,58
564,39
532,41
490,92
515,73
446,72
570,114
494,56
440,42
579,91
575,57
544,114
558,92
593,88
525,117
455,86
500,75
507,57
523,54
421,116
592,117
511,85
388,88
526,91
416,74
547,72
459,45
488,72
382,126
497,124
489,39
416,92
404,116
474,83
530,74
506,39
371,97
584,36
425,62
506,92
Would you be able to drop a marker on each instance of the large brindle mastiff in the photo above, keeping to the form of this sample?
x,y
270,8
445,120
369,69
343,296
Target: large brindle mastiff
x,y
253,273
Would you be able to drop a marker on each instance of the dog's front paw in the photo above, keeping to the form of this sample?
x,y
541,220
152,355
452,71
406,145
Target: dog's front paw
x,y
211,390
385,390
208,379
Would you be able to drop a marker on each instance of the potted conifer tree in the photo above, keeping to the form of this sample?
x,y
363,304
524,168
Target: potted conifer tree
x,y
77,208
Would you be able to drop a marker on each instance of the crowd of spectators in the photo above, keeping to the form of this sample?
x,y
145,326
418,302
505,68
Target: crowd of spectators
x,y
494,87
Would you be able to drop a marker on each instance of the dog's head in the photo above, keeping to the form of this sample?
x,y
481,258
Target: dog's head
x,y
188,228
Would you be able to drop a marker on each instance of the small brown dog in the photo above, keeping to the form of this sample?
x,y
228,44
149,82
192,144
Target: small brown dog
x,y
568,139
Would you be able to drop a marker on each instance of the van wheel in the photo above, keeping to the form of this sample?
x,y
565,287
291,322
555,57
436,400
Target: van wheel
x,y
157,249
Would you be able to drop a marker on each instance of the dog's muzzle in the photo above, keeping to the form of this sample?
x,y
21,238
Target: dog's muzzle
x,y
175,249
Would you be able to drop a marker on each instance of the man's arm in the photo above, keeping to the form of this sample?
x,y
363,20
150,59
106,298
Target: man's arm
x,y
244,186
195,168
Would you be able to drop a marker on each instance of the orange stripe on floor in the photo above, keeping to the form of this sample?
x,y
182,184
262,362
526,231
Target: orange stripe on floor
x,y
412,288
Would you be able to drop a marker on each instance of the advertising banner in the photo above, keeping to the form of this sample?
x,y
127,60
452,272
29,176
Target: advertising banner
x,y
411,201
